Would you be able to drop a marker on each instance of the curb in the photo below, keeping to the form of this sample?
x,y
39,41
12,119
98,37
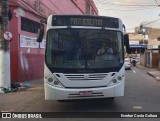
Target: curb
x,y
156,77
151,74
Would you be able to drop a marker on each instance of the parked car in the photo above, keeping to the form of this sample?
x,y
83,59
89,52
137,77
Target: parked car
x,y
127,63
136,59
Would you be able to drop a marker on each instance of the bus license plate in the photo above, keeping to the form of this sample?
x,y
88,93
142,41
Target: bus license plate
x,y
85,93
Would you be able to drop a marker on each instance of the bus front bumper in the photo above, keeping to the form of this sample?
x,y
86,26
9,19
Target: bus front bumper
x,y
55,93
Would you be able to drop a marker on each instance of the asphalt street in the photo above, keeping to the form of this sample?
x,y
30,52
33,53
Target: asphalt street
x,y
141,95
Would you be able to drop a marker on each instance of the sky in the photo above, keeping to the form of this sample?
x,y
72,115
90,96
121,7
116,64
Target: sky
x,y
131,12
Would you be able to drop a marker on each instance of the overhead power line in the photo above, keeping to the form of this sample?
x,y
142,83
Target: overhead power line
x,y
126,7
150,22
129,9
145,24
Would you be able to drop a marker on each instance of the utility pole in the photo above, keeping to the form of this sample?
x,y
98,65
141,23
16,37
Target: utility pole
x,y
5,79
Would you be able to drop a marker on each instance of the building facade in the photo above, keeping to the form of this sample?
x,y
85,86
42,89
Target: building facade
x,y
152,53
27,56
135,44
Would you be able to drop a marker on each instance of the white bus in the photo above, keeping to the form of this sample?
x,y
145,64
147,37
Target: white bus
x,y
84,57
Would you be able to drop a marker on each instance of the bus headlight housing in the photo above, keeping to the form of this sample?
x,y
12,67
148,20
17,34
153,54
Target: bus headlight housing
x,y
53,81
116,80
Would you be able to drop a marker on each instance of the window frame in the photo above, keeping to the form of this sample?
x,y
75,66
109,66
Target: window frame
x,y
29,25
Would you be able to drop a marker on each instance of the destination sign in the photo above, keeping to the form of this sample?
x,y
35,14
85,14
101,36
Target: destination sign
x,y
85,22
95,21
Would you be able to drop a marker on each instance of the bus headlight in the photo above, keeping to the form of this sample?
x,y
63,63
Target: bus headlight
x,y
56,82
53,81
116,80
50,80
119,78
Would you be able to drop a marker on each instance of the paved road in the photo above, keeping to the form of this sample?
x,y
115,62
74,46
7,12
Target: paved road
x,y
141,94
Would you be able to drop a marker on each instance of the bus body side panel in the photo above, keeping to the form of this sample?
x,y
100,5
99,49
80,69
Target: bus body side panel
x,y
50,93
54,93
119,90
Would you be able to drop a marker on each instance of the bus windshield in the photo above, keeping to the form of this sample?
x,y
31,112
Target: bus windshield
x,y
87,49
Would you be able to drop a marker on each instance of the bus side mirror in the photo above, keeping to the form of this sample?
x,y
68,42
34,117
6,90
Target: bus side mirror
x,y
126,43
40,33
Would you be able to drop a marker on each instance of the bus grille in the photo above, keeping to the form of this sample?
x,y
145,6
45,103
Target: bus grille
x,y
77,77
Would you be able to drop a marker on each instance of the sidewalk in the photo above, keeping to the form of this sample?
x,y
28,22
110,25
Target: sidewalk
x,y
154,72
22,86
21,100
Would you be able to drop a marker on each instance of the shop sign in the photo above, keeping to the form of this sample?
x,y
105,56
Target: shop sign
x,y
28,42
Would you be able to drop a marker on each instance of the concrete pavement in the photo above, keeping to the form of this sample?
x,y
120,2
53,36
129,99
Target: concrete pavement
x,y
18,101
154,72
